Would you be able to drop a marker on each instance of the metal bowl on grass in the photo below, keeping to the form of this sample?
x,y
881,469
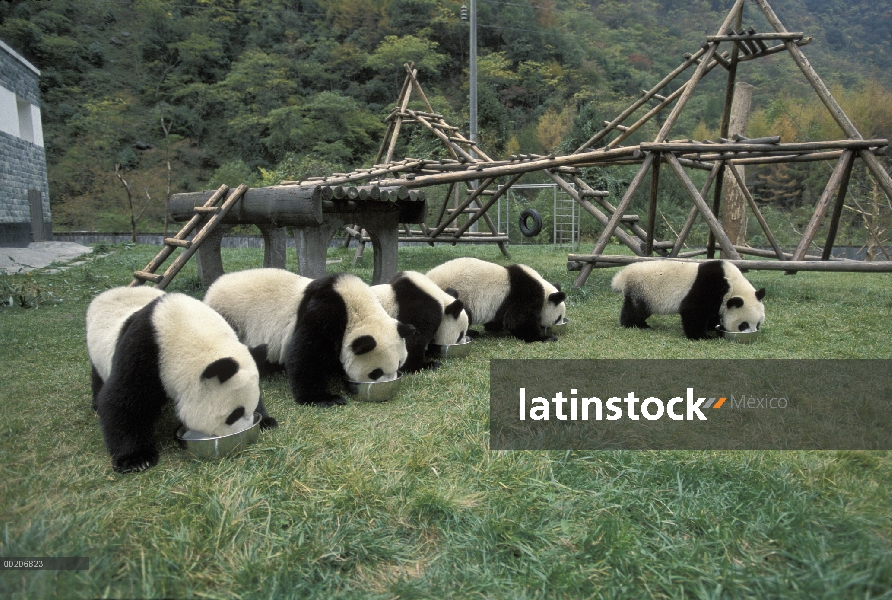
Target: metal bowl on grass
x,y
214,447
462,348
375,391
741,337
559,328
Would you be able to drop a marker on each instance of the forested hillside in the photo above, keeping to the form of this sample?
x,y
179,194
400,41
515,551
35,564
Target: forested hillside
x,y
254,90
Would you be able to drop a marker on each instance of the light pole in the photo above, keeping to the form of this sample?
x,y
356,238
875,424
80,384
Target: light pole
x,y
473,59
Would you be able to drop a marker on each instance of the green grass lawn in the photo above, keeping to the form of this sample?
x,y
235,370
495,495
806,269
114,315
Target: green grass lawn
x,y
405,499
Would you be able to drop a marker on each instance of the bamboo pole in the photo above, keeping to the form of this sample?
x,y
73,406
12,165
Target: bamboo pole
x,y
743,146
756,265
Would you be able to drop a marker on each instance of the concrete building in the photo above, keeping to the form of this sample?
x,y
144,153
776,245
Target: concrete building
x,y
24,191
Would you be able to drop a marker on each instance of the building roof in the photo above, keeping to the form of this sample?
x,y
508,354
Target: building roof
x,y
19,57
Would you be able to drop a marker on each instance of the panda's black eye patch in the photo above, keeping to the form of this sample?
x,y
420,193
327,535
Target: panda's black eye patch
x,y
744,326
558,320
363,344
461,336
376,374
235,415
735,302
223,368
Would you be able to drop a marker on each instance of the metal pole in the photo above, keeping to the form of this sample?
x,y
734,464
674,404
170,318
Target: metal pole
x,y
473,56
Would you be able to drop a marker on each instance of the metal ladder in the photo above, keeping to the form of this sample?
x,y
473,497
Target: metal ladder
x,y
567,217
190,247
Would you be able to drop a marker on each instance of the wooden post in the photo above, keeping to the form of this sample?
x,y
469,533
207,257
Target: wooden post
x,y
652,209
840,174
733,212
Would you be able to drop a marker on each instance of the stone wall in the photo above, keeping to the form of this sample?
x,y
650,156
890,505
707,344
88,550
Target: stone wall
x,y
22,155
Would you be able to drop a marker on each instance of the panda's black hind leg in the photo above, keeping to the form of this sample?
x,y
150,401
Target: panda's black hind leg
x,y
634,313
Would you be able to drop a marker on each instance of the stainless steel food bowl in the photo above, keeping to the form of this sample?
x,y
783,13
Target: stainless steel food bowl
x,y
742,337
559,328
212,448
462,348
375,391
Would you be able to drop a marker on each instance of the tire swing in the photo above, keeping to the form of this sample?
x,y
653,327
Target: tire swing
x,y
525,229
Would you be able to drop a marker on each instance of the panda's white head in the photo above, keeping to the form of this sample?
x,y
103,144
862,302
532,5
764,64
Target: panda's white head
x,y
742,308
374,345
210,375
454,325
375,352
235,392
555,308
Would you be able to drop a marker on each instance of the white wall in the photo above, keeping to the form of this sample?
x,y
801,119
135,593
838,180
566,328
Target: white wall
x,y
9,113
20,118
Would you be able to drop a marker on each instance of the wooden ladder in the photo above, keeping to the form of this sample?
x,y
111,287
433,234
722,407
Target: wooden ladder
x,y
189,247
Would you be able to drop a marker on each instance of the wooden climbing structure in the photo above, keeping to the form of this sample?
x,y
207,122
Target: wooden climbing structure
x,y
486,179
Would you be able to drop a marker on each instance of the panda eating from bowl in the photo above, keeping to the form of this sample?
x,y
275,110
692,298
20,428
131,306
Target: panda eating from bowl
x,y
708,295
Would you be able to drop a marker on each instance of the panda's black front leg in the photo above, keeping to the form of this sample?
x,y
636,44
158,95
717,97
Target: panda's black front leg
x,y
128,417
266,421
532,332
309,368
695,324
96,383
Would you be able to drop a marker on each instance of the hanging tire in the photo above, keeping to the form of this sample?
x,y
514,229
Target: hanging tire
x,y
536,228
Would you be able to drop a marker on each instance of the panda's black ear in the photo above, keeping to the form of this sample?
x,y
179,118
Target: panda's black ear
x,y
452,292
735,302
454,309
223,368
557,297
405,330
363,344
760,293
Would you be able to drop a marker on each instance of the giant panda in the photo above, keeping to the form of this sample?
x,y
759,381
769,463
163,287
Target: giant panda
x,y
342,331
514,298
438,317
261,305
147,347
706,295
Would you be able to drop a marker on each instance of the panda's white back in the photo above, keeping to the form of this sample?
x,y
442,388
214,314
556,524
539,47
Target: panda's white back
x,y
662,284
261,305
387,298
106,315
481,285
190,336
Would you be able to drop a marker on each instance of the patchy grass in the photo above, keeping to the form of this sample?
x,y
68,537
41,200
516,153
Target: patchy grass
x,y
404,498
